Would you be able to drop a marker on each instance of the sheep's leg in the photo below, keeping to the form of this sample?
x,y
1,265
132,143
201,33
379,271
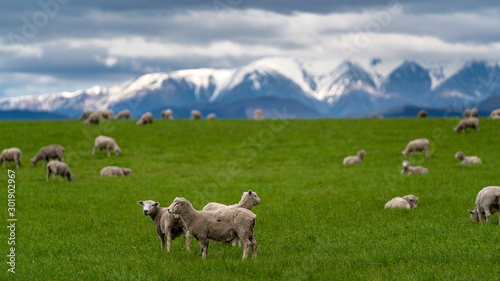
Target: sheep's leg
x,y
54,176
204,242
186,238
169,239
18,163
254,247
93,150
43,163
48,174
109,153
427,153
9,163
488,214
246,249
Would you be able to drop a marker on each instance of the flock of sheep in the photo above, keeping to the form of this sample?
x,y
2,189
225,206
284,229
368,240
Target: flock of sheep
x,y
235,223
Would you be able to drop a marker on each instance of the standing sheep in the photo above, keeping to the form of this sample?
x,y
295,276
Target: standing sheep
x,y
225,225
85,114
487,203
356,159
471,122
467,159
407,202
106,114
146,118
167,114
211,116
422,113
94,118
11,154
115,171
166,224
108,143
407,169
257,114
59,168
47,152
417,145
474,113
124,114
195,115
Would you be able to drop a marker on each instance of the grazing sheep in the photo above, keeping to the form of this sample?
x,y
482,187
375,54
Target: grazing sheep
x,y
407,169
487,203
94,118
356,159
124,114
9,155
195,114
115,171
85,114
225,225
167,114
495,114
471,122
107,114
257,114
466,113
422,113
407,202
47,152
473,112
146,118
467,159
108,143
166,224
211,116
59,168
417,145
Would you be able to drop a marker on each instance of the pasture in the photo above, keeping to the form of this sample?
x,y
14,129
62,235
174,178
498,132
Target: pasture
x,y
318,219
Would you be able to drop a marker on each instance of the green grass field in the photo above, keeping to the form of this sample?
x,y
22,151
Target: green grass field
x,y
318,219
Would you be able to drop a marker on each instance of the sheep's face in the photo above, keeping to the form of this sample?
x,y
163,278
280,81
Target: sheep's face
x,y
459,155
404,153
412,200
474,216
32,162
118,151
457,128
361,154
177,206
127,171
71,177
148,207
406,164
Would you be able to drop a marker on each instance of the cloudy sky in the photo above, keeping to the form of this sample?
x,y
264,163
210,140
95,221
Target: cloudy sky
x,y
49,46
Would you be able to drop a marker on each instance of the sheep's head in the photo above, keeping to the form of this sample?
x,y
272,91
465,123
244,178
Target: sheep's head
x,y
71,177
127,171
148,207
177,206
118,150
361,154
33,161
412,199
252,196
457,128
406,164
460,155
474,216
405,153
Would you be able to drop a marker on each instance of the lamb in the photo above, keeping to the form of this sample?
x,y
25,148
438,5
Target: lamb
x,y
167,114
422,113
467,113
473,112
487,203
407,169
257,114
166,224
417,145
225,225
11,154
467,159
195,114
356,159
495,114
106,114
115,171
94,118
85,114
471,122
59,168
407,202
47,152
108,143
124,114
248,200
146,118
211,116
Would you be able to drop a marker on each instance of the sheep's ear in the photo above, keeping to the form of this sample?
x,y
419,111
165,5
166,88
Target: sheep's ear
x,y
249,192
140,203
156,204
472,212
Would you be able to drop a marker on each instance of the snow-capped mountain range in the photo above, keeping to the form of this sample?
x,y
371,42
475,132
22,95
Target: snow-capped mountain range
x,y
308,88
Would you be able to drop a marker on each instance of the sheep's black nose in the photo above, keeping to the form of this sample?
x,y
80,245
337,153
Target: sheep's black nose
x,y
168,210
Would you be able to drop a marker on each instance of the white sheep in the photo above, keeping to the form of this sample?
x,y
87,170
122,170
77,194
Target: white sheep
x,y
487,203
467,159
211,116
422,113
195,115
146,118
495,114
85,114
106,113
166,224
407,202
94,118
124,114
225,225
249,199
473,112
108,143
356,159
407,169
47,152
167,114
471,122
417,145
59,168
9,155
115,171
257,114
466,113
